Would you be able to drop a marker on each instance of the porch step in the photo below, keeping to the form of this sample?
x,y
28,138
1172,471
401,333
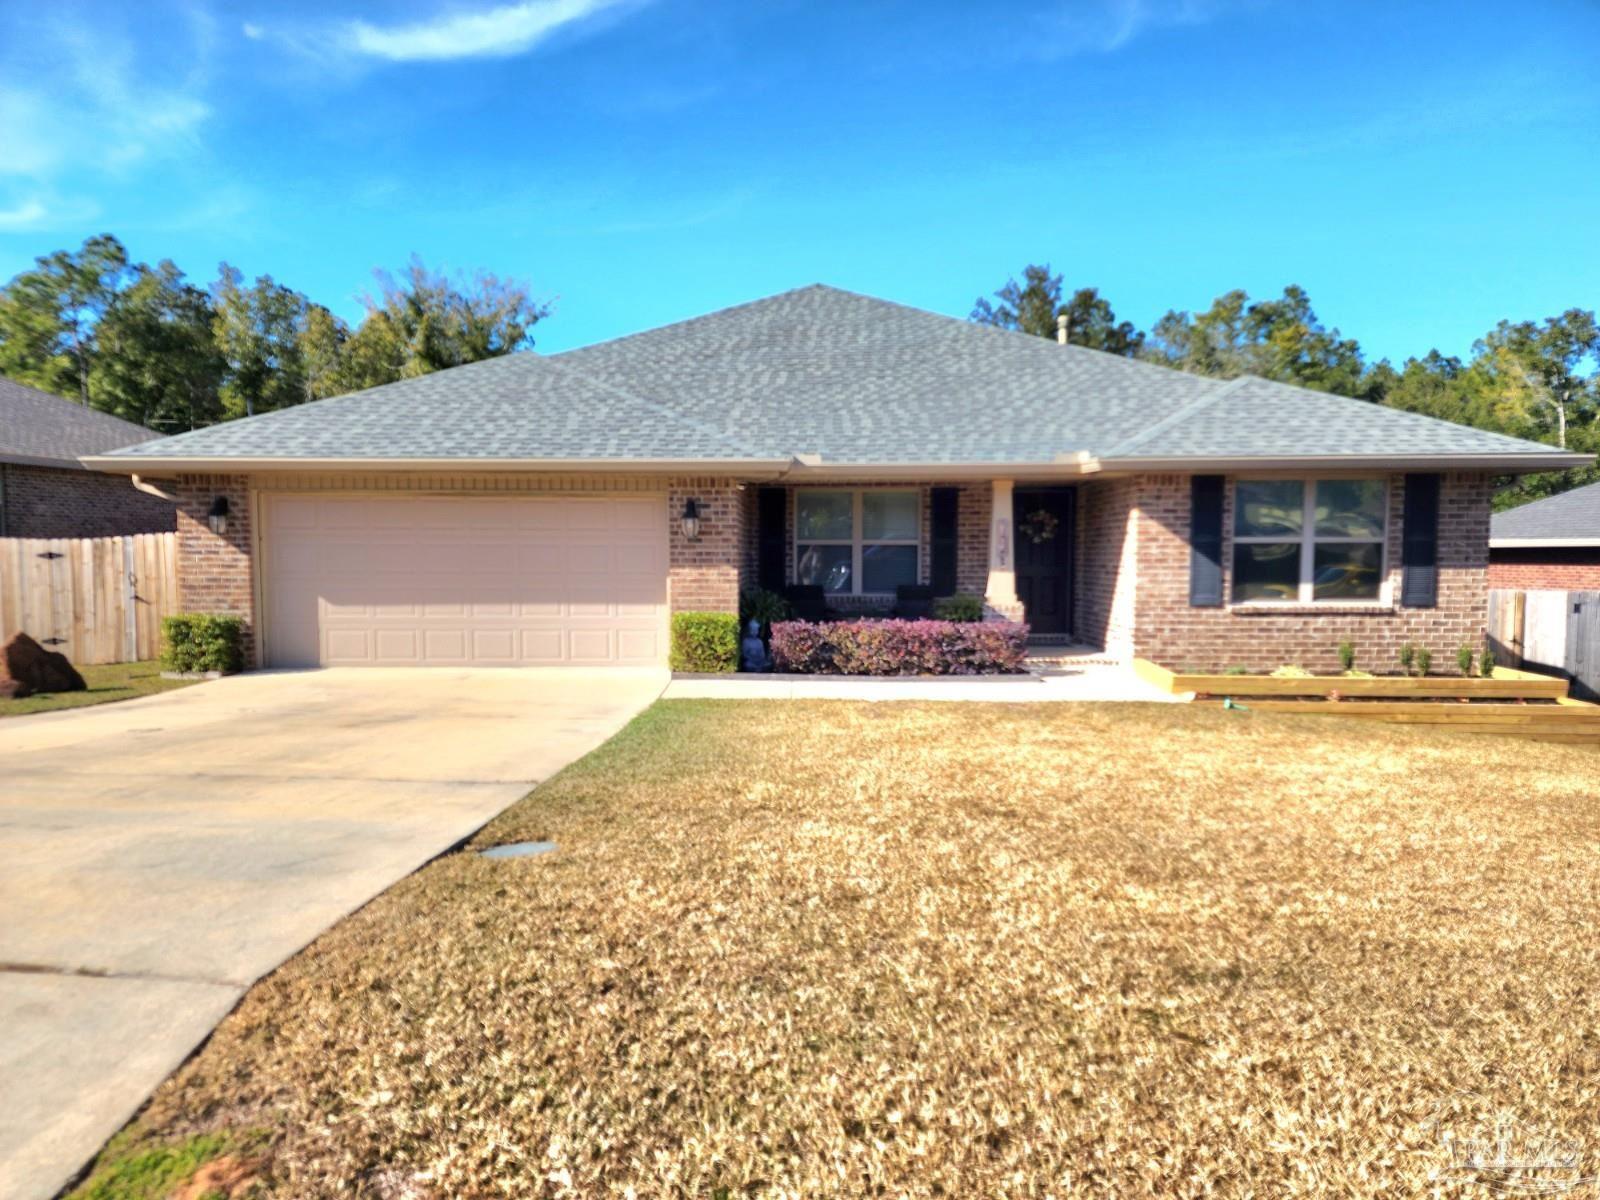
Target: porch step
x,y
1050,656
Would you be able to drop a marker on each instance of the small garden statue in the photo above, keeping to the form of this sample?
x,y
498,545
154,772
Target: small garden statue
x,y
753,650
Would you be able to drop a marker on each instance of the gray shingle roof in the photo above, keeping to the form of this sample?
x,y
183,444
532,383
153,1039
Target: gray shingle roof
x,y
1253,417
515,407
38,427
829,372
1572,516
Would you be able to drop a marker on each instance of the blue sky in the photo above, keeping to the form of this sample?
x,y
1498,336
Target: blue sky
x,y
1422,169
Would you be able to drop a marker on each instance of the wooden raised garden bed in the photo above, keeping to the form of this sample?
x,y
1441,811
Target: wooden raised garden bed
x,y
1510,702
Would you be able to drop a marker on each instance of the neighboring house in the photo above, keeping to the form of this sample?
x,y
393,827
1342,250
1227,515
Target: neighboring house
x,y
45,492
533,510
1550,544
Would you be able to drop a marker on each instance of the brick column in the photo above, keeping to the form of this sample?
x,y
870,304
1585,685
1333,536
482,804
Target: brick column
x,y
1000,593
216,572
704,575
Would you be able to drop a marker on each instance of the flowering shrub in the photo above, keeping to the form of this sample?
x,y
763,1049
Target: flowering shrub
x,y
899,647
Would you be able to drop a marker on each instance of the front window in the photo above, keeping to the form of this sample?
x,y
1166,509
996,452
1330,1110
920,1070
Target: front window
x,y
1308,540
852,543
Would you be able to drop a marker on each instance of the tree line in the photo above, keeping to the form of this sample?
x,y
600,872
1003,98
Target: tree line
x,y
146,344
1538,380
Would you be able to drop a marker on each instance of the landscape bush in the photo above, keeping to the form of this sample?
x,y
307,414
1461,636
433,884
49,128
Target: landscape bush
x,y
958,608
927,647
705,641
197,642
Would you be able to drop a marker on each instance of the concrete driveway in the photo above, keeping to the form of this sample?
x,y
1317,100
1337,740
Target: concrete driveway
x,y
160,855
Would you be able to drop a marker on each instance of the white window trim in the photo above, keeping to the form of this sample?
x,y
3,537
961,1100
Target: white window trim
x,y
856,541
1309,541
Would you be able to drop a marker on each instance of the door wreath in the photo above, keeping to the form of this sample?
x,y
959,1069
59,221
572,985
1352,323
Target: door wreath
x,y
1040,526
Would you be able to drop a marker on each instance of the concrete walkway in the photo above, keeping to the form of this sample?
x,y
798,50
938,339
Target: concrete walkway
x,y
160,855
1087,683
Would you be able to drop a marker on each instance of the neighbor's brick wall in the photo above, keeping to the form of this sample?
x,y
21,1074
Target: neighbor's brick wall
x,y
1104,577
55,502
1168,631
1552,568
216,573
704,575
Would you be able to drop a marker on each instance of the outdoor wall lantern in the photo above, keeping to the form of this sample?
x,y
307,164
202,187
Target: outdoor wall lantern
x,y
691,520
218,516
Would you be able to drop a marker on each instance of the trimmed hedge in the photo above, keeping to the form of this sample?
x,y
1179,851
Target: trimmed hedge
x,y
202,642
899,647
705,641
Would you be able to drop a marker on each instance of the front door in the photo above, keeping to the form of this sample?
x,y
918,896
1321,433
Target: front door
x,y
1043,519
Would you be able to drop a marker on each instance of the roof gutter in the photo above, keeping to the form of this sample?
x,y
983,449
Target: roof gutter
x,y
1500,464
150,464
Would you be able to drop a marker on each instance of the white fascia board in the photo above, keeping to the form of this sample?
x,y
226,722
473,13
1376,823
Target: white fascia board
x,y
1515,543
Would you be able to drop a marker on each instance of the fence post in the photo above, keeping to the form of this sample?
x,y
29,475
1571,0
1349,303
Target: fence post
x,y
130,618
1519,625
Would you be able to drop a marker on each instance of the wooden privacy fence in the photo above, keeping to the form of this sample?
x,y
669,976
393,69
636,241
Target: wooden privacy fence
x,y
1549,631
97,600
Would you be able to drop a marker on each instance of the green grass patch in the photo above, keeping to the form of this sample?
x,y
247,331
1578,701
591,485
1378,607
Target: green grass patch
x,y
150,1173
107,682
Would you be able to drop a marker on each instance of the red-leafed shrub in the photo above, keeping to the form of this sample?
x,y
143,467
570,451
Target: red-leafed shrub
x,y
899,647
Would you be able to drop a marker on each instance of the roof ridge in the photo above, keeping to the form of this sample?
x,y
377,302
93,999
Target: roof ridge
x,y
1179,415
698,318
655,406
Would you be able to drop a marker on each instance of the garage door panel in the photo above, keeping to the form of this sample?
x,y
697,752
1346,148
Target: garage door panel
x,y
357,580
397,645
490,646
591,645
349,645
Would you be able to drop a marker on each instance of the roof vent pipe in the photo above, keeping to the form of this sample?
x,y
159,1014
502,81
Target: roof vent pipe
x,y
1061,327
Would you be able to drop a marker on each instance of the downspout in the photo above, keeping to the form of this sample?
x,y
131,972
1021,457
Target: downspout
x,y
152,490
5,478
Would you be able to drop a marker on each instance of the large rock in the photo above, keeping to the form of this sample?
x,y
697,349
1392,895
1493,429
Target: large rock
x,y
27,667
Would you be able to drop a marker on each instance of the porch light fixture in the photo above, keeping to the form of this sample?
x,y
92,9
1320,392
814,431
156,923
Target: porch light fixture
x,y
691,520
217,518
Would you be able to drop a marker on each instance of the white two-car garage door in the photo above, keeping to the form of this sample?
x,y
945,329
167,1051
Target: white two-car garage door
x,y
358,580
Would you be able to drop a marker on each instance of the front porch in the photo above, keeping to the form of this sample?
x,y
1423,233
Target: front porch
x,y
853,549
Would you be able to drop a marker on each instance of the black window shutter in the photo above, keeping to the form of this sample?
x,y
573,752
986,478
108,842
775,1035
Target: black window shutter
x,y
1205,541
946,501
772,513
1419,544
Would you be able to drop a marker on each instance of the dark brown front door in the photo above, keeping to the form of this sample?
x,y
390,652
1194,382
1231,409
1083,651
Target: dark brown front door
x,y
1043,519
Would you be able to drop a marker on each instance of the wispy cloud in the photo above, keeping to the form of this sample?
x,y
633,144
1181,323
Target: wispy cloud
x,y
28,214
1104,26
491,33
80,106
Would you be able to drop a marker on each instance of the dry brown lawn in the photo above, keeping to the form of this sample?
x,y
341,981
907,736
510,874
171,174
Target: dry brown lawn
x,y
829,949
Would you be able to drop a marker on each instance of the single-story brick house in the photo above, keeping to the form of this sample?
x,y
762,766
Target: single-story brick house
x,y
534,509
46,492
1550,544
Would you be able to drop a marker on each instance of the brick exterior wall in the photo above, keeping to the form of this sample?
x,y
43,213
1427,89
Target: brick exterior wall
x,y
1132,567
216,572
1546,568
705,575
56,502
974,507
1168,631
1104,570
